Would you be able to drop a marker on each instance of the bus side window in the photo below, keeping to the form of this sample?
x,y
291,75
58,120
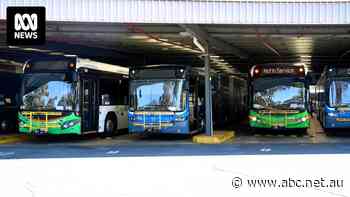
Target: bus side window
x,y
125,92
2,99
107,92
105,99
321,98
120,92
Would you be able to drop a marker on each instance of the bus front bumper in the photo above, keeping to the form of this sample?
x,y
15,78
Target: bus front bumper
x,y
281,125
178,127
337,122
279,121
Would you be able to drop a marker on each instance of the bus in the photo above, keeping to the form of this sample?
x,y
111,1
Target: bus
x,y
70,95
10,84
166,99
332,105
279,97
230,100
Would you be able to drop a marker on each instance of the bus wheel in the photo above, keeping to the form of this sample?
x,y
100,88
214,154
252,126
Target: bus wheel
x,y
329,132
302,132
251,131
110,125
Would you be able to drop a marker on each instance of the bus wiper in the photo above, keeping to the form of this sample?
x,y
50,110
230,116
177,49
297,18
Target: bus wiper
x,y
140,108
342,106
150,107
265,108
273,108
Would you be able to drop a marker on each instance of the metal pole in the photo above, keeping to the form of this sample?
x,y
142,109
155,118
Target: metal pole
x,y
208,96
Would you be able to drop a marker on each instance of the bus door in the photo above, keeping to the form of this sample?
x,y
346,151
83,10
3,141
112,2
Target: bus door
x,y
89,105
196,104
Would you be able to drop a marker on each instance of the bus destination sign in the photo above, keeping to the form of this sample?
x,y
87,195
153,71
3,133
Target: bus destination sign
x,y
278,71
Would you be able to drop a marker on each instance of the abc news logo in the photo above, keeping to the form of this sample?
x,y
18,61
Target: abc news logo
x,y
26,25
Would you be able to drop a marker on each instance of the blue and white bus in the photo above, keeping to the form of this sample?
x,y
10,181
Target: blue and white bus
x,y
333,97
166,99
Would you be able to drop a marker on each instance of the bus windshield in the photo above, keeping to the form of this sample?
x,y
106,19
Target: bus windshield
x,y
339,93
163,95
279,93
48,91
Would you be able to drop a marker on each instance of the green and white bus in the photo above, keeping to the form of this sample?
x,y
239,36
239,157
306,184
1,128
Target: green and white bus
x,y
279,97
69,95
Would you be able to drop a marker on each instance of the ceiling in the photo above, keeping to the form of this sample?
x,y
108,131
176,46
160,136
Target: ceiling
x,y
234,48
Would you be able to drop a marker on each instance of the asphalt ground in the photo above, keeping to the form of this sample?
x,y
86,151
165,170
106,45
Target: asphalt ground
x,y
245,142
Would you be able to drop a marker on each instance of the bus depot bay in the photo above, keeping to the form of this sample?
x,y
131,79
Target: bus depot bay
x,y
279,97
333,97
69,95
166,99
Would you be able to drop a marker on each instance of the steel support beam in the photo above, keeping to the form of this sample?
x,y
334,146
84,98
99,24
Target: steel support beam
x,y
213,43
201,40
208,96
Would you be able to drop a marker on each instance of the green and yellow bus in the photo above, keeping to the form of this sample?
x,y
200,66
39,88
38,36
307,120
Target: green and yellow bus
x,y
70,95
279,97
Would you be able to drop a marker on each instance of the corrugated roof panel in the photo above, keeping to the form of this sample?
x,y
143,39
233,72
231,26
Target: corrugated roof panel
x,y
191,11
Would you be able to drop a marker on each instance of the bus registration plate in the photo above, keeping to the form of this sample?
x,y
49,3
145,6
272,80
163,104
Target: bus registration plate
x,y
276,126
41,131
342,119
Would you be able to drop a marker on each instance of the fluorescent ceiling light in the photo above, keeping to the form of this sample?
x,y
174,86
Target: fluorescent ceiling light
x,y
139,37
198,44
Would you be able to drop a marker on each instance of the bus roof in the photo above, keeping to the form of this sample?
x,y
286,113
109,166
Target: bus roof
x,y
161,66
338,70
195,70
280,64
87,63
63,61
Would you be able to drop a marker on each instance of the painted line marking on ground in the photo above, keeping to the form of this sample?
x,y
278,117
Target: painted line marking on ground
x,y
2,154
112,152
265,149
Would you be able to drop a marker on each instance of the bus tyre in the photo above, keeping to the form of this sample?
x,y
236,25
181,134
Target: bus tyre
x,y
110,125
251,131
329,132
302,132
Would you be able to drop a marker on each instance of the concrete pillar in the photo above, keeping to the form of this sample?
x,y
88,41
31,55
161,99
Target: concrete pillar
x,y
208,96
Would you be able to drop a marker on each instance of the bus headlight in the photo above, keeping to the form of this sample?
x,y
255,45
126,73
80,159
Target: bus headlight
x,y
70,123
180,118
303,119
252,118
331,114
